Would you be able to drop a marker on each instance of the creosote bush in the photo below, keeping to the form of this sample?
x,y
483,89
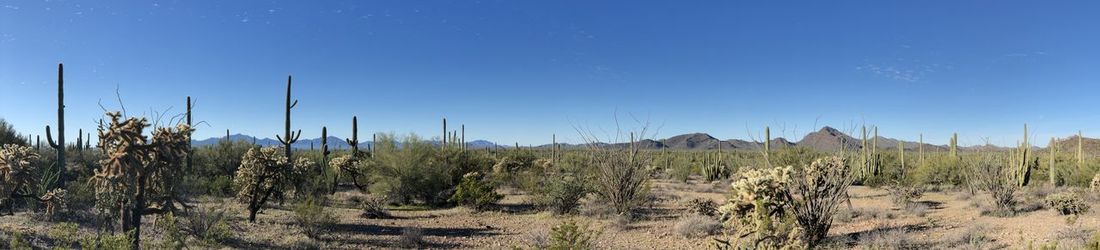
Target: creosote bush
x,y
570,235
561,186
475,192
313,218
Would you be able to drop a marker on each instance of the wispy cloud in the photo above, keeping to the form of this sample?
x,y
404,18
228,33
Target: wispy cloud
x,y
901,72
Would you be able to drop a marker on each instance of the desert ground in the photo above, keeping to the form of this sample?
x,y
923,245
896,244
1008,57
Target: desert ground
x,y
941,219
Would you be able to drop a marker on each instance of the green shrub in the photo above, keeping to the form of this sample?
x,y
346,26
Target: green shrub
x,y
18,242
172,236
207,224
569,235
560,188
64,234
419,171
313,218
475,192
1067,203
8,135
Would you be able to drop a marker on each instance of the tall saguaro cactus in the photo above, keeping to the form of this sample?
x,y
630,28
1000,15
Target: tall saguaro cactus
x,y
920,148
354,140
767,142
289,137
1053,159
190,151
1080,149
443,144
1022,161
901,155
59,145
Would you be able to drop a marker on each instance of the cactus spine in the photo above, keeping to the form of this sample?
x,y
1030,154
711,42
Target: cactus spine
x,y
59,145
289,137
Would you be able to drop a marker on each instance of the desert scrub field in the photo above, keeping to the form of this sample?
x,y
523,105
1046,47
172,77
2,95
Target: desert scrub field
x,y
143,185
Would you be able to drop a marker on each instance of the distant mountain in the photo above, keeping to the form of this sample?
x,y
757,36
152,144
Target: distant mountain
x,y
830,139
826,139
335,143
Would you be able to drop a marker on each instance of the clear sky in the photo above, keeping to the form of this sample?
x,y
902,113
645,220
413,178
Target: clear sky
x,y
523,70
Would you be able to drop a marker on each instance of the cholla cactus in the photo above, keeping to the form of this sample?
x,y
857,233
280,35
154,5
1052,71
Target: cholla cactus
x,y
16,167
758,207
346,164
262,171
138,176
757,189
55,199
1095,184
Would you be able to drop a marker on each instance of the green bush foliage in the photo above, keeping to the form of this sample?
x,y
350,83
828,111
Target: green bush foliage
x,y
314,219
475,192
419,172
569,235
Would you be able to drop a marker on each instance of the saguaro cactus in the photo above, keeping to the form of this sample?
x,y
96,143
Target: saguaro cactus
x,y
920,148
79,140
190,151
1053,159
1022,161
901,155
1080,150
443,144
767,142
289,137
354,140
59,145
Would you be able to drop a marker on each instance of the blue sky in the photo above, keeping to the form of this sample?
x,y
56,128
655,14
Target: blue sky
x,y
523,70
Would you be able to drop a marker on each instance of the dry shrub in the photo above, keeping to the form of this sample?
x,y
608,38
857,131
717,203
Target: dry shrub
x,y
412,237
885,236
991,174
702,206
621,178
374,207
697,226
1067,203
974,237
815,193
